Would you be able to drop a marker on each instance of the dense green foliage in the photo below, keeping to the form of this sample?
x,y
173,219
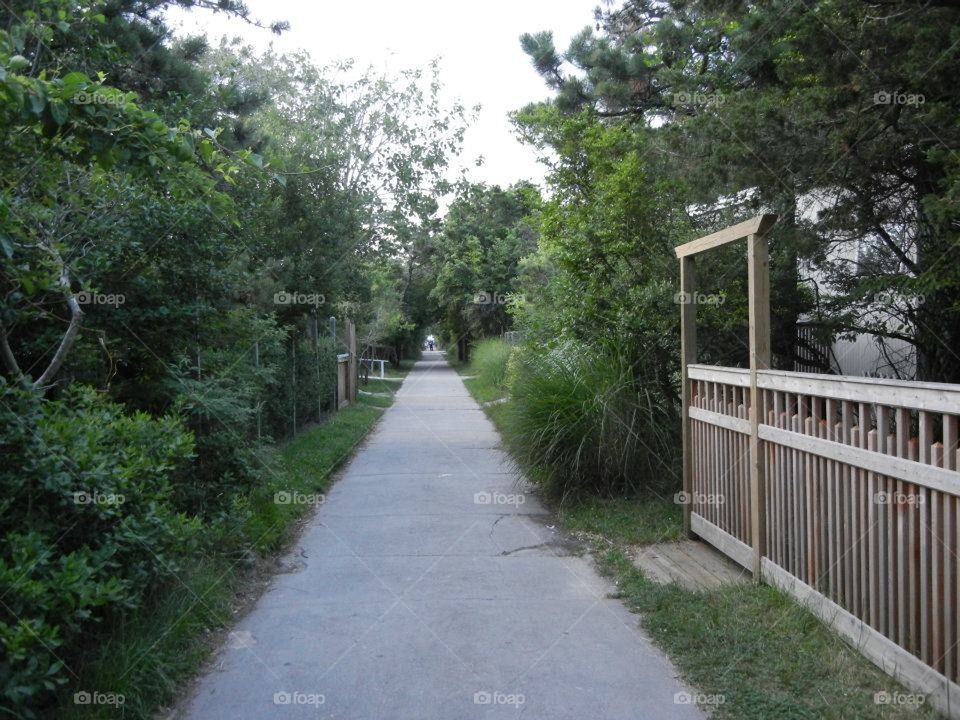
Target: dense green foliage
x,y
177,224
584,423
88,522
672,119
838,115
150,653
594,387
489,361
475,258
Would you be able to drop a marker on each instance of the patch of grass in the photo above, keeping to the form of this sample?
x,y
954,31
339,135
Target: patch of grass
x,y
489,364
149,655
483,393
376,385
399,372
485,374
589,425
766,655
499,414
308,463
625,520
451,356
382,392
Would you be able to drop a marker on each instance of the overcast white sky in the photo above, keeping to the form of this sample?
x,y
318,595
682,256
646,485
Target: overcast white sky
x,y
477,41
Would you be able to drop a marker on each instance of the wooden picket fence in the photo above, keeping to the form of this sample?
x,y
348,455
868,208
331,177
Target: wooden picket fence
x,y
843,491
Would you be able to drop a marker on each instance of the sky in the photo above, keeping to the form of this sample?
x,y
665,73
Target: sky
x,y
477,42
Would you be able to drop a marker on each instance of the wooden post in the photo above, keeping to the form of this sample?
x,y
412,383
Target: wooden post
x,y
351,332
758,269
753,231
688,354
336,365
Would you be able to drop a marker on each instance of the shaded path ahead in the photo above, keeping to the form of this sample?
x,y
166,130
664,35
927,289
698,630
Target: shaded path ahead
x,y
428,587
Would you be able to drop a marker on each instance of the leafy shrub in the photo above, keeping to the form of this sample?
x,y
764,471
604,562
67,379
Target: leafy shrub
x,y
315,367
586,422
87,525
489,361
219,411
240,398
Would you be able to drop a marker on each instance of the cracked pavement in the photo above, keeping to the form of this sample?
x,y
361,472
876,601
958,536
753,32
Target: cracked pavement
x,y
430,584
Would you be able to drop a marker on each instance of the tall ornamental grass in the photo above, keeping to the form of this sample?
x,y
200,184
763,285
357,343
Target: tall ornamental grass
x,y
585,421
489,362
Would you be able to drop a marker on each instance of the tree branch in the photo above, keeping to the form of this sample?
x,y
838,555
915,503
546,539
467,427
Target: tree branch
x,y
66,342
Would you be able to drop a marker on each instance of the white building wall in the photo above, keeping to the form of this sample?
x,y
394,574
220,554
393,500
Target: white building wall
x,y
863,355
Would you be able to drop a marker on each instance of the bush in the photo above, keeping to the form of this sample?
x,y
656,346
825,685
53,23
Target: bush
x,y
586,422
87,524
315,367
489,361
241,398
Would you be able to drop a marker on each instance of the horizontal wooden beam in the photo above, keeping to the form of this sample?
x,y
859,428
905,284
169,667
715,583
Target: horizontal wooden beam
x,y
755,226
716,373
728,422
930,476
722,540
930,396
935,397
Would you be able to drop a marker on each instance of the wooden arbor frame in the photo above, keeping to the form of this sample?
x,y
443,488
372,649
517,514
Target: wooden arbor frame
x,y
758,269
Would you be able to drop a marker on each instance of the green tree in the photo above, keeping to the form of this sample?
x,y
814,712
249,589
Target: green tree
x,y
486,232
851,103
149,223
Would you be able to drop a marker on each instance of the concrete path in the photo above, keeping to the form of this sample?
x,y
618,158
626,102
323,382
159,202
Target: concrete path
x,y
429,585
